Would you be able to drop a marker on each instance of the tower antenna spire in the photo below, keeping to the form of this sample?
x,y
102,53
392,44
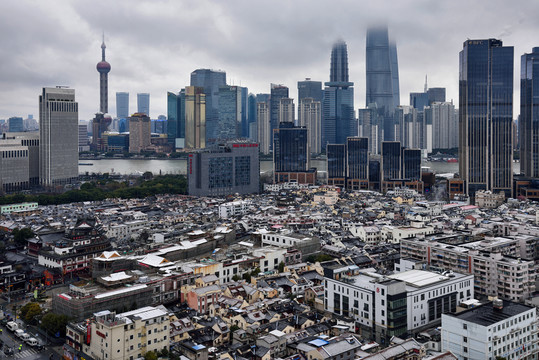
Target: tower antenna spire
x,y
426,86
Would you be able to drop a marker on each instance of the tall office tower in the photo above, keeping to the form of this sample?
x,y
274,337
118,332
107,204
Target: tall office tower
x,y
139,132
529,114
418,100
251,116
122,105
485,116
357,163
310,116
391,160
230,113
229,169
100,124
244,129
15,124
263,126
143,103
286,110
444,119
382,76
411,164
290,153
310,89
338,120
195,117
277,92
176,119
436,95
336,164
210,81
58,133
103,67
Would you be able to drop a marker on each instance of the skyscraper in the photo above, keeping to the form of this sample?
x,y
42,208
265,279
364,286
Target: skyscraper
x,y
485,116
210,81
139,132
263,126
411,164
277,92
176,119
444,119
58,133
357,163
122,105
286,110
143,103
338,120
529,114
230,113
251,116
336,164
195,117
310,89
382,76
391,160
310,116
103,67
15,124
291,154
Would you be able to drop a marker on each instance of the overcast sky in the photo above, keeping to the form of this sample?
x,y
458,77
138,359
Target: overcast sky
x,y
153,45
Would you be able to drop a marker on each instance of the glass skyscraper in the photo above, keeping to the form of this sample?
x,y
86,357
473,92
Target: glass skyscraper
x,y
230,113
278,92
529,114
143,103
382,77
122,105
210,80
176,119
291,148
310,89
485,116
338,120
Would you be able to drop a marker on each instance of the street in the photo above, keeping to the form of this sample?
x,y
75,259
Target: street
x,y
27,352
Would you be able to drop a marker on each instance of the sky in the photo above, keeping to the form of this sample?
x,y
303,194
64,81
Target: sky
x,y
154,45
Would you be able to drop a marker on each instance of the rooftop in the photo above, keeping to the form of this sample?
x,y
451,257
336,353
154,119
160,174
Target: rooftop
x,y
487,315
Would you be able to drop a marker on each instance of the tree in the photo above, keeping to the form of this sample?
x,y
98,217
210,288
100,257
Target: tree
x,y
30,311
20,236
234,328
150,355
247,277
236,277
281,267
55,324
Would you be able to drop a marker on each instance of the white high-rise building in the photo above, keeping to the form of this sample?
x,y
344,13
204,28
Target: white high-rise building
x,y
445,132
310,116
59,136
286,110
263,118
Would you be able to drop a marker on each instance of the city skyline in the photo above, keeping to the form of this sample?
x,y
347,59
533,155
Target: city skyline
x,y
155,60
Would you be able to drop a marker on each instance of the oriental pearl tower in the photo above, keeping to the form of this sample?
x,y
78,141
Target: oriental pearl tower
x,y
103,67
102,120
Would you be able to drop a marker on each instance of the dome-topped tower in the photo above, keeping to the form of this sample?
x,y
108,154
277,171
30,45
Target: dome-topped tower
x,y
103,67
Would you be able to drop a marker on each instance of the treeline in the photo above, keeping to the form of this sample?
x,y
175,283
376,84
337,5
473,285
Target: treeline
x,y
101,190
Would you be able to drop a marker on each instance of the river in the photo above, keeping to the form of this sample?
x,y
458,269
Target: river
x,y
179,166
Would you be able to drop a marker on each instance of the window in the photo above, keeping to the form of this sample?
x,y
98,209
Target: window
x,y
465,326
465,339
465,349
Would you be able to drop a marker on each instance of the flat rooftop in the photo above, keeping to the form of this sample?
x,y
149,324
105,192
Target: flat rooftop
x,y
486,315
419,278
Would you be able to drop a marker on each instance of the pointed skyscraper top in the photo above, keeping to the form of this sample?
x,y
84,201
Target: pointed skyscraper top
x,y
426,86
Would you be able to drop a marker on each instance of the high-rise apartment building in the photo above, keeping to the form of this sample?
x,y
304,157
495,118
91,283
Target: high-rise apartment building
x,y
529,114
103,67
195,117
122,105
286,110
310,116
139,132
338,120
143,103
263,126
230,121
485,116
370,126
444,119
58,133
83,137
210,81
382,77
277,92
